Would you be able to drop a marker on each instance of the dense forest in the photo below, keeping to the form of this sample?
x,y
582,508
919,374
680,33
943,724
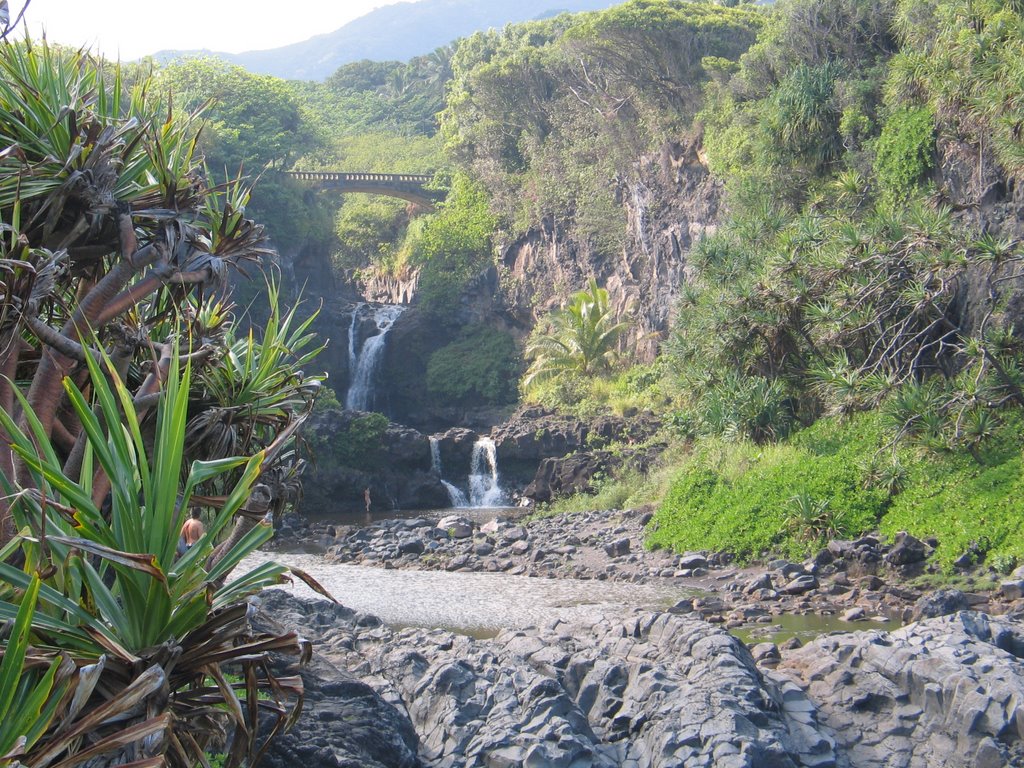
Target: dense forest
x,y
845,351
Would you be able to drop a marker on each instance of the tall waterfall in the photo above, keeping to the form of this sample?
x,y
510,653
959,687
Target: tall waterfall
x,y
361,396
455,496
484,490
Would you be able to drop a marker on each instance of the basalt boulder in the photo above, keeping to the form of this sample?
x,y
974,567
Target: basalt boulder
x,y
355,451
947,691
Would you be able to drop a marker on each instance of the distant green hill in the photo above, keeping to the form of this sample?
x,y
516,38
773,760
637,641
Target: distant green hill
x,y
393,33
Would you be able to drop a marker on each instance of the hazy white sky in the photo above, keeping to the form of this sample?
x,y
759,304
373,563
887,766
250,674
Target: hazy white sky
x,y
132,28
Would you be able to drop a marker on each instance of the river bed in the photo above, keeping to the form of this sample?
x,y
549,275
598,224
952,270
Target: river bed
x,y
478,604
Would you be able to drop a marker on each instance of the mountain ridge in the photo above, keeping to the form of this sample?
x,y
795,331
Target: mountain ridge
x,y
393,32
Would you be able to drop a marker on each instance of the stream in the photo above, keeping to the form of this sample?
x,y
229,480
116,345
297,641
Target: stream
x,y
482,604
477,604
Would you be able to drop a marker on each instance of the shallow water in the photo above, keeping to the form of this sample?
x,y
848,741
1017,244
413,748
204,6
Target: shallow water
x,y
805,627
476,514
479,604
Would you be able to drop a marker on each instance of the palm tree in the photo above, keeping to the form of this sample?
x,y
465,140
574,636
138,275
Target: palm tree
x,y
582,339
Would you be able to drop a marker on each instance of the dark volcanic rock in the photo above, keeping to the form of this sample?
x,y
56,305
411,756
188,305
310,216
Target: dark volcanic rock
x,y
655,690
906,550
558,455
566,476
344,722
396,468
802,583
946,691
650,691
942,602
456,450
671,205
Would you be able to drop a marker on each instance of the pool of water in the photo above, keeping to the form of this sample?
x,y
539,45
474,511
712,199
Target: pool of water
x,y
479,604
805,627
476,514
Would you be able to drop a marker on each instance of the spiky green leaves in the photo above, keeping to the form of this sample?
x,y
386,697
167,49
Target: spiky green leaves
x,y
582,339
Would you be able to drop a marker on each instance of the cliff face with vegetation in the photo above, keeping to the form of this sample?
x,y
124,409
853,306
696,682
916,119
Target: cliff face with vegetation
x,y
671,203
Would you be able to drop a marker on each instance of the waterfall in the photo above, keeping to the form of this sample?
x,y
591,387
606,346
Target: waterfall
x,y
484,490
435,455
360,396
456,497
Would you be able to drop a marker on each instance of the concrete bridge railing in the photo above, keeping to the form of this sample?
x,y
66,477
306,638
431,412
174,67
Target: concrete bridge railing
x,y
384,178
407,186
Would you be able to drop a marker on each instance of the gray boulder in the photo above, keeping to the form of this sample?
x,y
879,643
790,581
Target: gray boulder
x,y
344,722
907,550
941,602
458,527
943,692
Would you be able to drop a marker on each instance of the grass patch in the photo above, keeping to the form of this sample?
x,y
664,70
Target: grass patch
x,y
609,493
838,479
964,582
967,504
626,489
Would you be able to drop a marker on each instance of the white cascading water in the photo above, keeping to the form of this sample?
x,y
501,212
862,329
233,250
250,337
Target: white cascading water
x,y
456,497
360,396
484,490
353,329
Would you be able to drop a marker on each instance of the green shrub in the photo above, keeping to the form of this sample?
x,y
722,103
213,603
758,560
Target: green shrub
x,y
904,152
480,368
357,444
967,503
840,478
452,246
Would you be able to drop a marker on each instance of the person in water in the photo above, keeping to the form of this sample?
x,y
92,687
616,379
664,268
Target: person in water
x,y
191,532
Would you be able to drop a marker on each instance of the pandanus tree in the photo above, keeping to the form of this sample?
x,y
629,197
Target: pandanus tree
x,y
126,397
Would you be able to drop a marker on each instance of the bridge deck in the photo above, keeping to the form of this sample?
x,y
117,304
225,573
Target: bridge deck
x,y
407,186
383,178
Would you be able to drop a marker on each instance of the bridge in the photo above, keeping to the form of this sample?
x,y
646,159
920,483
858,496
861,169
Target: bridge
x,y
407,186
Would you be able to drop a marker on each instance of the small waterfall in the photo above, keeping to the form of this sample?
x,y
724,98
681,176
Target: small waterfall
x,y
353,339
360,396
455,496
484,490
435,455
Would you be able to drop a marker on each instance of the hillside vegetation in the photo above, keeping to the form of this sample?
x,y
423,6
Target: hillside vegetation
x,y
846,352
846,355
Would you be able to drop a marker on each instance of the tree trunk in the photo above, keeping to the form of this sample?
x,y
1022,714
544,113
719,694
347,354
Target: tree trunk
x,y
257,505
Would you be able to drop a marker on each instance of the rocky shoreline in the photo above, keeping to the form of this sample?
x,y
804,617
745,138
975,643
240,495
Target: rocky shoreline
x,y
657,689
864,580
651,690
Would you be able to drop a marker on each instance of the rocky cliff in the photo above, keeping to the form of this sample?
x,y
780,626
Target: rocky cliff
x,y
671,204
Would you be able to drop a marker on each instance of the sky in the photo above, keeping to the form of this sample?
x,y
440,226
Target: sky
x,y
129,29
